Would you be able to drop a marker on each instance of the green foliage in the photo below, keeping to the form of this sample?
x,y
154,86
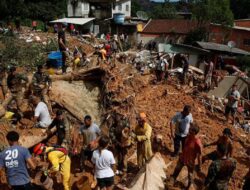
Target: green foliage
x,y
18,52
215,11
34,9
244,62
165,11
135,7
240,8
198,34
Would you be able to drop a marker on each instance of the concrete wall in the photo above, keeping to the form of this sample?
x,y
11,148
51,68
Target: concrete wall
x,y
242,23
166,38
82,9
221,35
122,7
226,84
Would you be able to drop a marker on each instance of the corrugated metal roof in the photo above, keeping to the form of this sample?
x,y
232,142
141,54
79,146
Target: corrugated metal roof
x,y
221,47
77,21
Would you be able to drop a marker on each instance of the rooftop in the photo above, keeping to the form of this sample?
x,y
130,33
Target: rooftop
x,y
221,47
77,21
164,26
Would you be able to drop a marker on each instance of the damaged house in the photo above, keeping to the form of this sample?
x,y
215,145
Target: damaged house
x,y
100,9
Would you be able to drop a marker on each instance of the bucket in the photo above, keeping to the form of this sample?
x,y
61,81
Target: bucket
x,y
83,183
44,181
55,59
119,18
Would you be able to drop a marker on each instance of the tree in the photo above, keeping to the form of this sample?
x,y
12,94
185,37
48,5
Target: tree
x,y
198,34
164,11
240,8
135,7
33,9
215,11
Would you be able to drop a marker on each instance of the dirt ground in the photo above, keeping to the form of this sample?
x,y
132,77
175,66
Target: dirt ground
x,y
160,102
126,92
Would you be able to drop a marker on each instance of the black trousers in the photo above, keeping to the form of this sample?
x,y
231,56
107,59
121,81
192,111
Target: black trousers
x,y
86,154
64,58
22,187
178,141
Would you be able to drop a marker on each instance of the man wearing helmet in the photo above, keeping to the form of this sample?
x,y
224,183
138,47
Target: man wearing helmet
x,y
15,84
58,158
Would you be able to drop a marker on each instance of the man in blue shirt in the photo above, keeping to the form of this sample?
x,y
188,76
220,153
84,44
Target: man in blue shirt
x,y
14,160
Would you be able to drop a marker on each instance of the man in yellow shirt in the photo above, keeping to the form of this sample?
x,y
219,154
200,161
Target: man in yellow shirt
x,y
59,160
143,132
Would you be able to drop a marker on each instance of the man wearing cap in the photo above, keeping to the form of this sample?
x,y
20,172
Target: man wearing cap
x,y
41,83
181,121
62,128
122,140
16,81
14,160
143,132
59,160
232,105
3,80
62,46
225,139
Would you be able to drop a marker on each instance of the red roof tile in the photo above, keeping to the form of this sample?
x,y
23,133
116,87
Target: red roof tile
x,y
164,26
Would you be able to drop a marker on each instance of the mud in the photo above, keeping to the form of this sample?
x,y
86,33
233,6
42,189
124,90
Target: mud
x,y
160,103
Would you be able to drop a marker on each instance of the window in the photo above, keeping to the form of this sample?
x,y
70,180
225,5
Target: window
x,y
246,42
120,7
127,8
85,6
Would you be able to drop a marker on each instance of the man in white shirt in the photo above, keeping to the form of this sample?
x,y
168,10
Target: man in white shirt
x,y
41,115
232,105
181,121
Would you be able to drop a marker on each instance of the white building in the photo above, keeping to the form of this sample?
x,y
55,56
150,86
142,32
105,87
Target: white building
x,y
78,8
122,6
82,8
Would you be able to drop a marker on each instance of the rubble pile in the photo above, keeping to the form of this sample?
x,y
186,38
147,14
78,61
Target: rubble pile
x,y
121,91
128,93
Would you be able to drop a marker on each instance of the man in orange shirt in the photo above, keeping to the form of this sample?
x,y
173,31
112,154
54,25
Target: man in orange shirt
x,y
192,151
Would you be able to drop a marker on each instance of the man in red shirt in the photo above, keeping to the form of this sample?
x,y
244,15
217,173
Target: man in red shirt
x,y
192,151
34,25
225,139
108,37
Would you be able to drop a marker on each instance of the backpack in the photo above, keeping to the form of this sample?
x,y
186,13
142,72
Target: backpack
x,y
59,148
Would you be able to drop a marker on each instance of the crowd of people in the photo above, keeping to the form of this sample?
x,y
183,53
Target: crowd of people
x,y
96,148
110,157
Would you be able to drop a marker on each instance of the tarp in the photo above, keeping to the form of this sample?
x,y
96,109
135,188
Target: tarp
x,y
152,176
77,21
